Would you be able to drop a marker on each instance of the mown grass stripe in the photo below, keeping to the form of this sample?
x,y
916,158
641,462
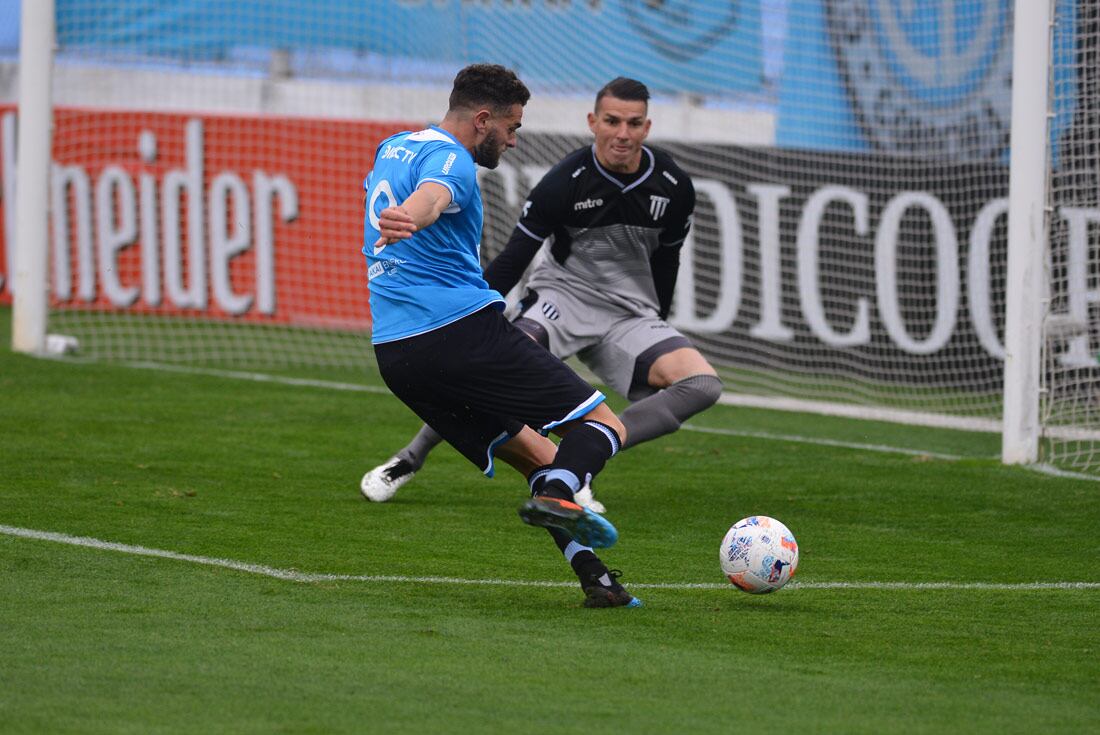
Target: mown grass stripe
x,y
1044,469
361,388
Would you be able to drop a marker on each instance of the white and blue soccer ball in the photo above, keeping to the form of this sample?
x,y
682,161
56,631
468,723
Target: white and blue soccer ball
x,y
758,555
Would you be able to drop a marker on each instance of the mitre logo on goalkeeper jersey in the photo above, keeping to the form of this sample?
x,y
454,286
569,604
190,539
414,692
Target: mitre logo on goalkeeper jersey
x,y
434,277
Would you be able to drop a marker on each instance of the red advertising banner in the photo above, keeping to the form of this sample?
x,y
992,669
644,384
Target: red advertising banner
x,y
253,218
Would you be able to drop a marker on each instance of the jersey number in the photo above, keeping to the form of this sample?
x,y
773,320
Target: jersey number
x,y
383,188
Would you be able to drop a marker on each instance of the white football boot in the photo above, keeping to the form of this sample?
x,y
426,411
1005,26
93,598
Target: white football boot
x,y
584,499
383,482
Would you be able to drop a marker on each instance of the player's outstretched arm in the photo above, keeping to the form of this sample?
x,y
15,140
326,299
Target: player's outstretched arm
x,y
509,266
420,210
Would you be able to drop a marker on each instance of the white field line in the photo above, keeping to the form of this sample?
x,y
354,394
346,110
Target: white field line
x,y
845,410
259,377
360,388
823,442
292,575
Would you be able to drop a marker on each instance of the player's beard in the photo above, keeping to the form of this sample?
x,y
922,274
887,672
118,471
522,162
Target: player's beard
x,y
487,153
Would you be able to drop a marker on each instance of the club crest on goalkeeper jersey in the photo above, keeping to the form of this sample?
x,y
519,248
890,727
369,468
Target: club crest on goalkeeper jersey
x,y
433,278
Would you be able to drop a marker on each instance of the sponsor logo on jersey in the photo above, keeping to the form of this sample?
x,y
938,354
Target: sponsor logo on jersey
x,y
589,204
929,76
670,177
396,151
578,172
657,206
448,163
388,266
550,310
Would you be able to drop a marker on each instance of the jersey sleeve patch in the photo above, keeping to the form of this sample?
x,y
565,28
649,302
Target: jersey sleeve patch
x,y
453,168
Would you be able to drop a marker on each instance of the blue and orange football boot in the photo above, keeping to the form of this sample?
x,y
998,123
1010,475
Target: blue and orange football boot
x,y
585,527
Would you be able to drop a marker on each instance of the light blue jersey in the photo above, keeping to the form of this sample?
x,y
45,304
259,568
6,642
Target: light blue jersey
x,y
434,277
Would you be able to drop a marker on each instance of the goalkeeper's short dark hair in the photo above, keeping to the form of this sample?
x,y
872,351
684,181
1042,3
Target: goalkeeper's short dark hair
x,y
490,85
624,88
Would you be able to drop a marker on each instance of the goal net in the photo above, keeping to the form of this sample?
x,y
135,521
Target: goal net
x,y
851,158
1070,376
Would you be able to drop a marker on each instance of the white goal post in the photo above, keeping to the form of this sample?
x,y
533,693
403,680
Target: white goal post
x,y
1028,211
32,215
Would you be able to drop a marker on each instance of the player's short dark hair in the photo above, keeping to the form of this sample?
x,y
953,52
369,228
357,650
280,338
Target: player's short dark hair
x,y
624,88
491,85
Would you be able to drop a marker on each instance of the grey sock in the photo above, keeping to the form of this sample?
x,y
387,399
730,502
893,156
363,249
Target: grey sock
x,y
664,411
416,451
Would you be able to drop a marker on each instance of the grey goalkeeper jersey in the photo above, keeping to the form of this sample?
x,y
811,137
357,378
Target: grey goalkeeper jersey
x,y
614,239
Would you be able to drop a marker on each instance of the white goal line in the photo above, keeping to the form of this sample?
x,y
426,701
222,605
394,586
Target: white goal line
x,y
292,575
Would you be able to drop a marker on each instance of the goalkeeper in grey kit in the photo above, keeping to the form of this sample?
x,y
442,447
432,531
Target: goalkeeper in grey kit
x,y
616,214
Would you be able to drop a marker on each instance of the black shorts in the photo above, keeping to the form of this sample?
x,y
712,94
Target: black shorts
x,y
477,382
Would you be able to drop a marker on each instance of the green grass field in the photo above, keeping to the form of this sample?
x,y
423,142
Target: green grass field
x,y
102,639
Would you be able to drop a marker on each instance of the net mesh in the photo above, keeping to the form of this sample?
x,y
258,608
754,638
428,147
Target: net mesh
x,y
1071,380
850,159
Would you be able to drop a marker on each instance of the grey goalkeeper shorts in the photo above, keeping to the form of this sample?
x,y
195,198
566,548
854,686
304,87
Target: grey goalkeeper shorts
x,y
615,344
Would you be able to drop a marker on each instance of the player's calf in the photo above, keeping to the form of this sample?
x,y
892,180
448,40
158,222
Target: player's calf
x,y
666,410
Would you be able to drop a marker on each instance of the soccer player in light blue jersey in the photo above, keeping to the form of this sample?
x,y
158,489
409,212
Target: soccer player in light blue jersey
x,y
614,215
440,337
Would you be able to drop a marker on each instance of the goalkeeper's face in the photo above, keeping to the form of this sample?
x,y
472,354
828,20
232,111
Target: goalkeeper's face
x,y
620,127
